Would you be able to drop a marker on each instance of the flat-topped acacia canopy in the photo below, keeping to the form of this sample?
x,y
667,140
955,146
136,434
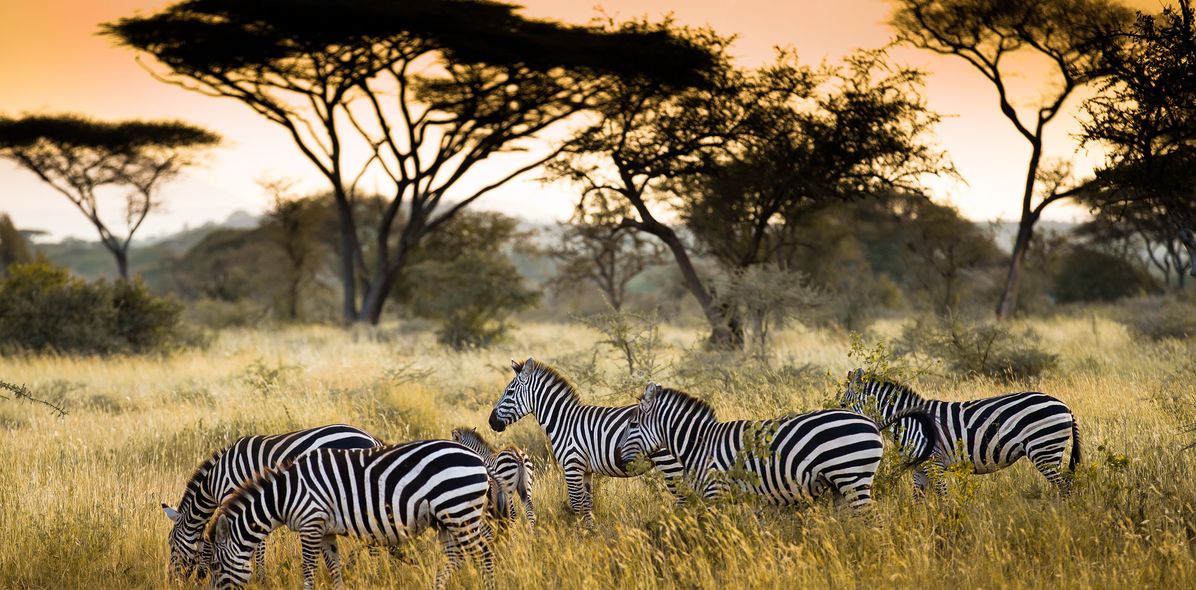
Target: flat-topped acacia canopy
x,y
114,136
214,35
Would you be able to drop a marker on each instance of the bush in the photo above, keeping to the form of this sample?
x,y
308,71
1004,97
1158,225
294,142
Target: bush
x,y
1084,274
984,348
471,297
44,308
1158,318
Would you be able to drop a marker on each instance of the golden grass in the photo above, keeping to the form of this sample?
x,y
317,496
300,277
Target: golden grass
x,y
79,495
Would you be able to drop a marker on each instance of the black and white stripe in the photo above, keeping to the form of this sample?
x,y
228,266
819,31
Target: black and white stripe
x,y
990,434
384,495
510,467
220,475
584,438
788,460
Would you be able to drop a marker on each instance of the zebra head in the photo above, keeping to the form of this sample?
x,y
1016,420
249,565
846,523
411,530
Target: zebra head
x,y
230,559
643,434
515,402
183,550
856,396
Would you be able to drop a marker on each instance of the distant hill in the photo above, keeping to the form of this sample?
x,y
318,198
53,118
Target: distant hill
x,y
148,258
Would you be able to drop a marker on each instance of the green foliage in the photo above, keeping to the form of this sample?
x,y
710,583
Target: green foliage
x,y
768,296
991,349
635,340
44,308
471,297
1086,274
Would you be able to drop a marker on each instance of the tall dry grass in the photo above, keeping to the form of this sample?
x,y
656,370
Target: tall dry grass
x,y
79,496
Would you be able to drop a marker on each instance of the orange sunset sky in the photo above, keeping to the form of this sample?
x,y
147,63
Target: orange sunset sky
x,y
51,61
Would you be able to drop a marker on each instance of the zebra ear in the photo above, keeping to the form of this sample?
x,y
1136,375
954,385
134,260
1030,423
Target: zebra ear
x,y
516,366
650,392
171,513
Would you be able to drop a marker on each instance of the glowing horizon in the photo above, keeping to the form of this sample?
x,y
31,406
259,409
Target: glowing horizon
x,y
52,61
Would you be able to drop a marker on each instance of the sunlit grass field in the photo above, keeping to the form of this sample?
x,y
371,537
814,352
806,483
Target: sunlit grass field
x,y
80,495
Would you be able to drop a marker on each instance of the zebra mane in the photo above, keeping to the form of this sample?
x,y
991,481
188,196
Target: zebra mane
x,y
237,498
470,437
701,406
553,374
200,475
894,389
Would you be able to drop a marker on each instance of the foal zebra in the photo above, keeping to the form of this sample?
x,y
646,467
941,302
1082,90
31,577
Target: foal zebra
x,y
385,495
788,460
218,477
990,433
584,438
510,467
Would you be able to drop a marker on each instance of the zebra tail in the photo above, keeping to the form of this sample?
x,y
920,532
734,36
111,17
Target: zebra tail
x,y
497,503
1076,455
929,425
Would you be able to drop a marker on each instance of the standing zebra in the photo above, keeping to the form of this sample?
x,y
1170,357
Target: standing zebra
x,y
787,460
584,438
510,467
990,433
385,495
219,476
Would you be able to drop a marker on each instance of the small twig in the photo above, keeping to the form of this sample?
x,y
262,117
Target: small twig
x,y
22,392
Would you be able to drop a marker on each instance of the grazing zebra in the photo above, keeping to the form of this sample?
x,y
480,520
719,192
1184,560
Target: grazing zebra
x,y
788,460
510,467
990,433
385,495
584,438
219,476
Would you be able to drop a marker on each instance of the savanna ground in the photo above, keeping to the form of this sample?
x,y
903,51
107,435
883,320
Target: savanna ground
x,y
79,496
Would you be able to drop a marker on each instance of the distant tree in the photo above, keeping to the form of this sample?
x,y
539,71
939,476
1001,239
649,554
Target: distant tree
x,y
1146,117
1073,36
596,249
293,225
415,94
14,248
768,296
80,157
1086,274
464,279
936,247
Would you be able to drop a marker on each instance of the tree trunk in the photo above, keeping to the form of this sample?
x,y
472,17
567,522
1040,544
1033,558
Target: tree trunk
x,y
122,263
1008,303
348,254
1189,239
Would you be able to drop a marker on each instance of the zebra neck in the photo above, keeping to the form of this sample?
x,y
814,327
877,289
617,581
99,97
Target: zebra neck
x,y
688,445
552,404
892,403
262,509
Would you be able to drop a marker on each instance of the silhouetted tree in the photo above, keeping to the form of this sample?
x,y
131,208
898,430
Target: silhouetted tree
x,y
1146,116
1071,35
414,93
80,157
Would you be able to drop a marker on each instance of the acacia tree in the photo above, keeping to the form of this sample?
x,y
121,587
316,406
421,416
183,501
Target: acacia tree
x,y
594,248
649,131
1072,36
81,158
1146,116
414,94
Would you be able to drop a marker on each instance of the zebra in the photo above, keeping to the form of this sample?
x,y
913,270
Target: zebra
x,y
510,467
218,477
385,495
788,460
584,438
990,434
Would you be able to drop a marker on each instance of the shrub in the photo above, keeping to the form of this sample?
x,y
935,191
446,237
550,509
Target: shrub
x,y
1084,274
44,308
1158,318
471,297
990,349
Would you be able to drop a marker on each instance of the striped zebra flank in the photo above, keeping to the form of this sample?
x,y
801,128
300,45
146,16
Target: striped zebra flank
x,y
215,480
584,438
510,467
787,460
987,434
384,496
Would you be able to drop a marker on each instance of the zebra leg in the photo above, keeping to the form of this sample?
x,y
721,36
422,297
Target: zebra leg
x,y
529,510
581,494
311,540
920,481
1048,460
259,562
332,559
454,552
